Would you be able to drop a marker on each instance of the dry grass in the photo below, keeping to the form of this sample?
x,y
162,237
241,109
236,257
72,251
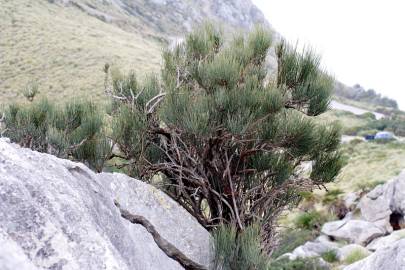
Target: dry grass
x,y
369,163
64,50
348,121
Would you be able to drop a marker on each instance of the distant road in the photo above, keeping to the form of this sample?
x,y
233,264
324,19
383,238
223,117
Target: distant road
x,y
355,110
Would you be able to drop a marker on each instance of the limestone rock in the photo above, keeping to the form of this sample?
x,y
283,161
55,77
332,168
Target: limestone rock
x,y
389,258
386,241
386,200
312,249
57,214
351,199
12,257
355,231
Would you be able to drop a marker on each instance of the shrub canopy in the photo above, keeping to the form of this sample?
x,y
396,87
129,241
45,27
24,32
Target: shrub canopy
x,y
227,139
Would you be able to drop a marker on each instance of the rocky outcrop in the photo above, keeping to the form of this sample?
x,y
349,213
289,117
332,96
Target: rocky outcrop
x,y
12,257
391,258
172,17
355,231
375,224
385,204
312,249
386,241
57,214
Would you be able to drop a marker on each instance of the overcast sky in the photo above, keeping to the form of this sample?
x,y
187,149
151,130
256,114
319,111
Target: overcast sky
x,y
360,41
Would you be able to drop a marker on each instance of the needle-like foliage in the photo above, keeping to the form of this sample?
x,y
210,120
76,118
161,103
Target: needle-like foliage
x,y
226,138
76,131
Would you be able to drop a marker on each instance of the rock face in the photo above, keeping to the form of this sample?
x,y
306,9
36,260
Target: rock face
x,y
312,249
355,231
12,257
391,258
57,214
386,241
172,17
385,204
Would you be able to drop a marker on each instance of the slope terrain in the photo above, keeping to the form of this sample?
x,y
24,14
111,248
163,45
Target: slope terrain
x,y
62,45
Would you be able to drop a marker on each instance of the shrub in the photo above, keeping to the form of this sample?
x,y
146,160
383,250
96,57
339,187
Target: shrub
x,y
330,256
368,115
310,220
238,251
222,133
30,91
76,131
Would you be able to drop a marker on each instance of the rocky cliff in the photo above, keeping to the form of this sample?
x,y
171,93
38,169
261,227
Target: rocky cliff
x,y
172,17
57,214
373,231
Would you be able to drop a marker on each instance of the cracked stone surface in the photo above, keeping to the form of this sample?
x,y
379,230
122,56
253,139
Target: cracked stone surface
x,y
57,214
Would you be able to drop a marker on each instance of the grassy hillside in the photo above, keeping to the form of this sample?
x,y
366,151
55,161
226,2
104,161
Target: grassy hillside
x,y
62,45
64,50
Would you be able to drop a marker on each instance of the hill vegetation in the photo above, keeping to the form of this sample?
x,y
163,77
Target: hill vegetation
x,y
62,45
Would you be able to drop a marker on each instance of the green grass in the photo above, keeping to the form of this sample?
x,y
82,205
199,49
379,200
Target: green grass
x,y
290,239
63,50
310,220
349,122
355,256
330,256
369,164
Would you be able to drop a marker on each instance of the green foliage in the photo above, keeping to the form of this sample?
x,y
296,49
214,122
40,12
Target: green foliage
x,y
30,91
222,132
368,115
330,256
354,256
241,251
310,220
291,239
332,196
299,264
75,131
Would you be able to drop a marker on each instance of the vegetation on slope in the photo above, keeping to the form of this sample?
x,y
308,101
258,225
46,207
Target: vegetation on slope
x,y
63,50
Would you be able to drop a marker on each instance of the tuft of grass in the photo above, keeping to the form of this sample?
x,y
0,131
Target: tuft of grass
x,y
355,256
332,196
368,186
311,220
330,256
238,251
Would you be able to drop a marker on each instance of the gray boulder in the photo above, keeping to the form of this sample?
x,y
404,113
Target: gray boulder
x,y
389,258
12,257
355,231
386,241
351,199
57,214
312,249
382,202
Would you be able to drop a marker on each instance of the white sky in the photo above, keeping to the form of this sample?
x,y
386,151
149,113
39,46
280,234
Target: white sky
x,y
360,41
